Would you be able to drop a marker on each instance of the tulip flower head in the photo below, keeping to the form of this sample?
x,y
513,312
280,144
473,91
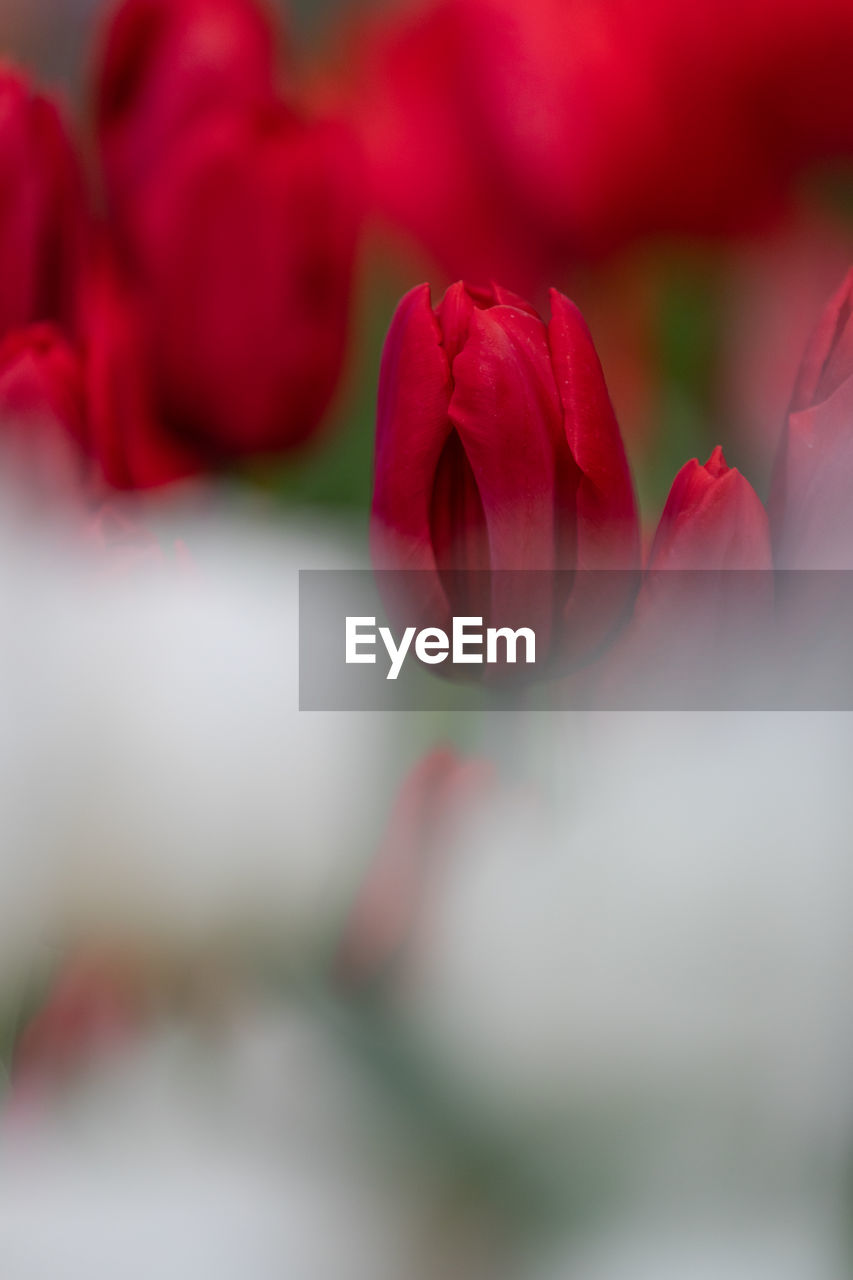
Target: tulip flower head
x,y
164,66
498,454
713,519
701,619
245,246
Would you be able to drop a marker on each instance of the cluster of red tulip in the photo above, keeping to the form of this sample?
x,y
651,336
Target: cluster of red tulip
x,y
201,315
498,451
509,136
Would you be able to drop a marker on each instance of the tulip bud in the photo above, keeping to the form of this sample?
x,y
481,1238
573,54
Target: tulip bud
x,y
166,64
42,415
810,506
497,450
713,519
42,214
702,616
244,251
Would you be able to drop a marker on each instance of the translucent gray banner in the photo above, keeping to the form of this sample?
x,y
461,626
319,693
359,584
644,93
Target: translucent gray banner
x,y
609,640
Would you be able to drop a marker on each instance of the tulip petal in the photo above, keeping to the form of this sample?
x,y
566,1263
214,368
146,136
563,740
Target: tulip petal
x,y
829,354
811,505
506,412
412,431
505,409
607,528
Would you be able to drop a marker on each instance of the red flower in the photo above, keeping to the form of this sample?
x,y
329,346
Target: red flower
x,y
504,133
701,625
509,137
811,507
42,415
244,248
166,64
235,224
406,79
713,519
42,210
497,449
562,101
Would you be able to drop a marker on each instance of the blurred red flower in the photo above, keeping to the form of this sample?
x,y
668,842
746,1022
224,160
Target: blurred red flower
x,y
511,136
244,247
235,219
166,64
407,83
42,210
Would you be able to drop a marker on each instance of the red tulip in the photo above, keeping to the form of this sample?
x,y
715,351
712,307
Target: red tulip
x,y
497,449
405,79
562,100
42,415
701,625
244,250
811,507
166,64
42,212
508,135
713,519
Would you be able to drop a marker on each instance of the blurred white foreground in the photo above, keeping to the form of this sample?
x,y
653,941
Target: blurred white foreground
x,y
616,1042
